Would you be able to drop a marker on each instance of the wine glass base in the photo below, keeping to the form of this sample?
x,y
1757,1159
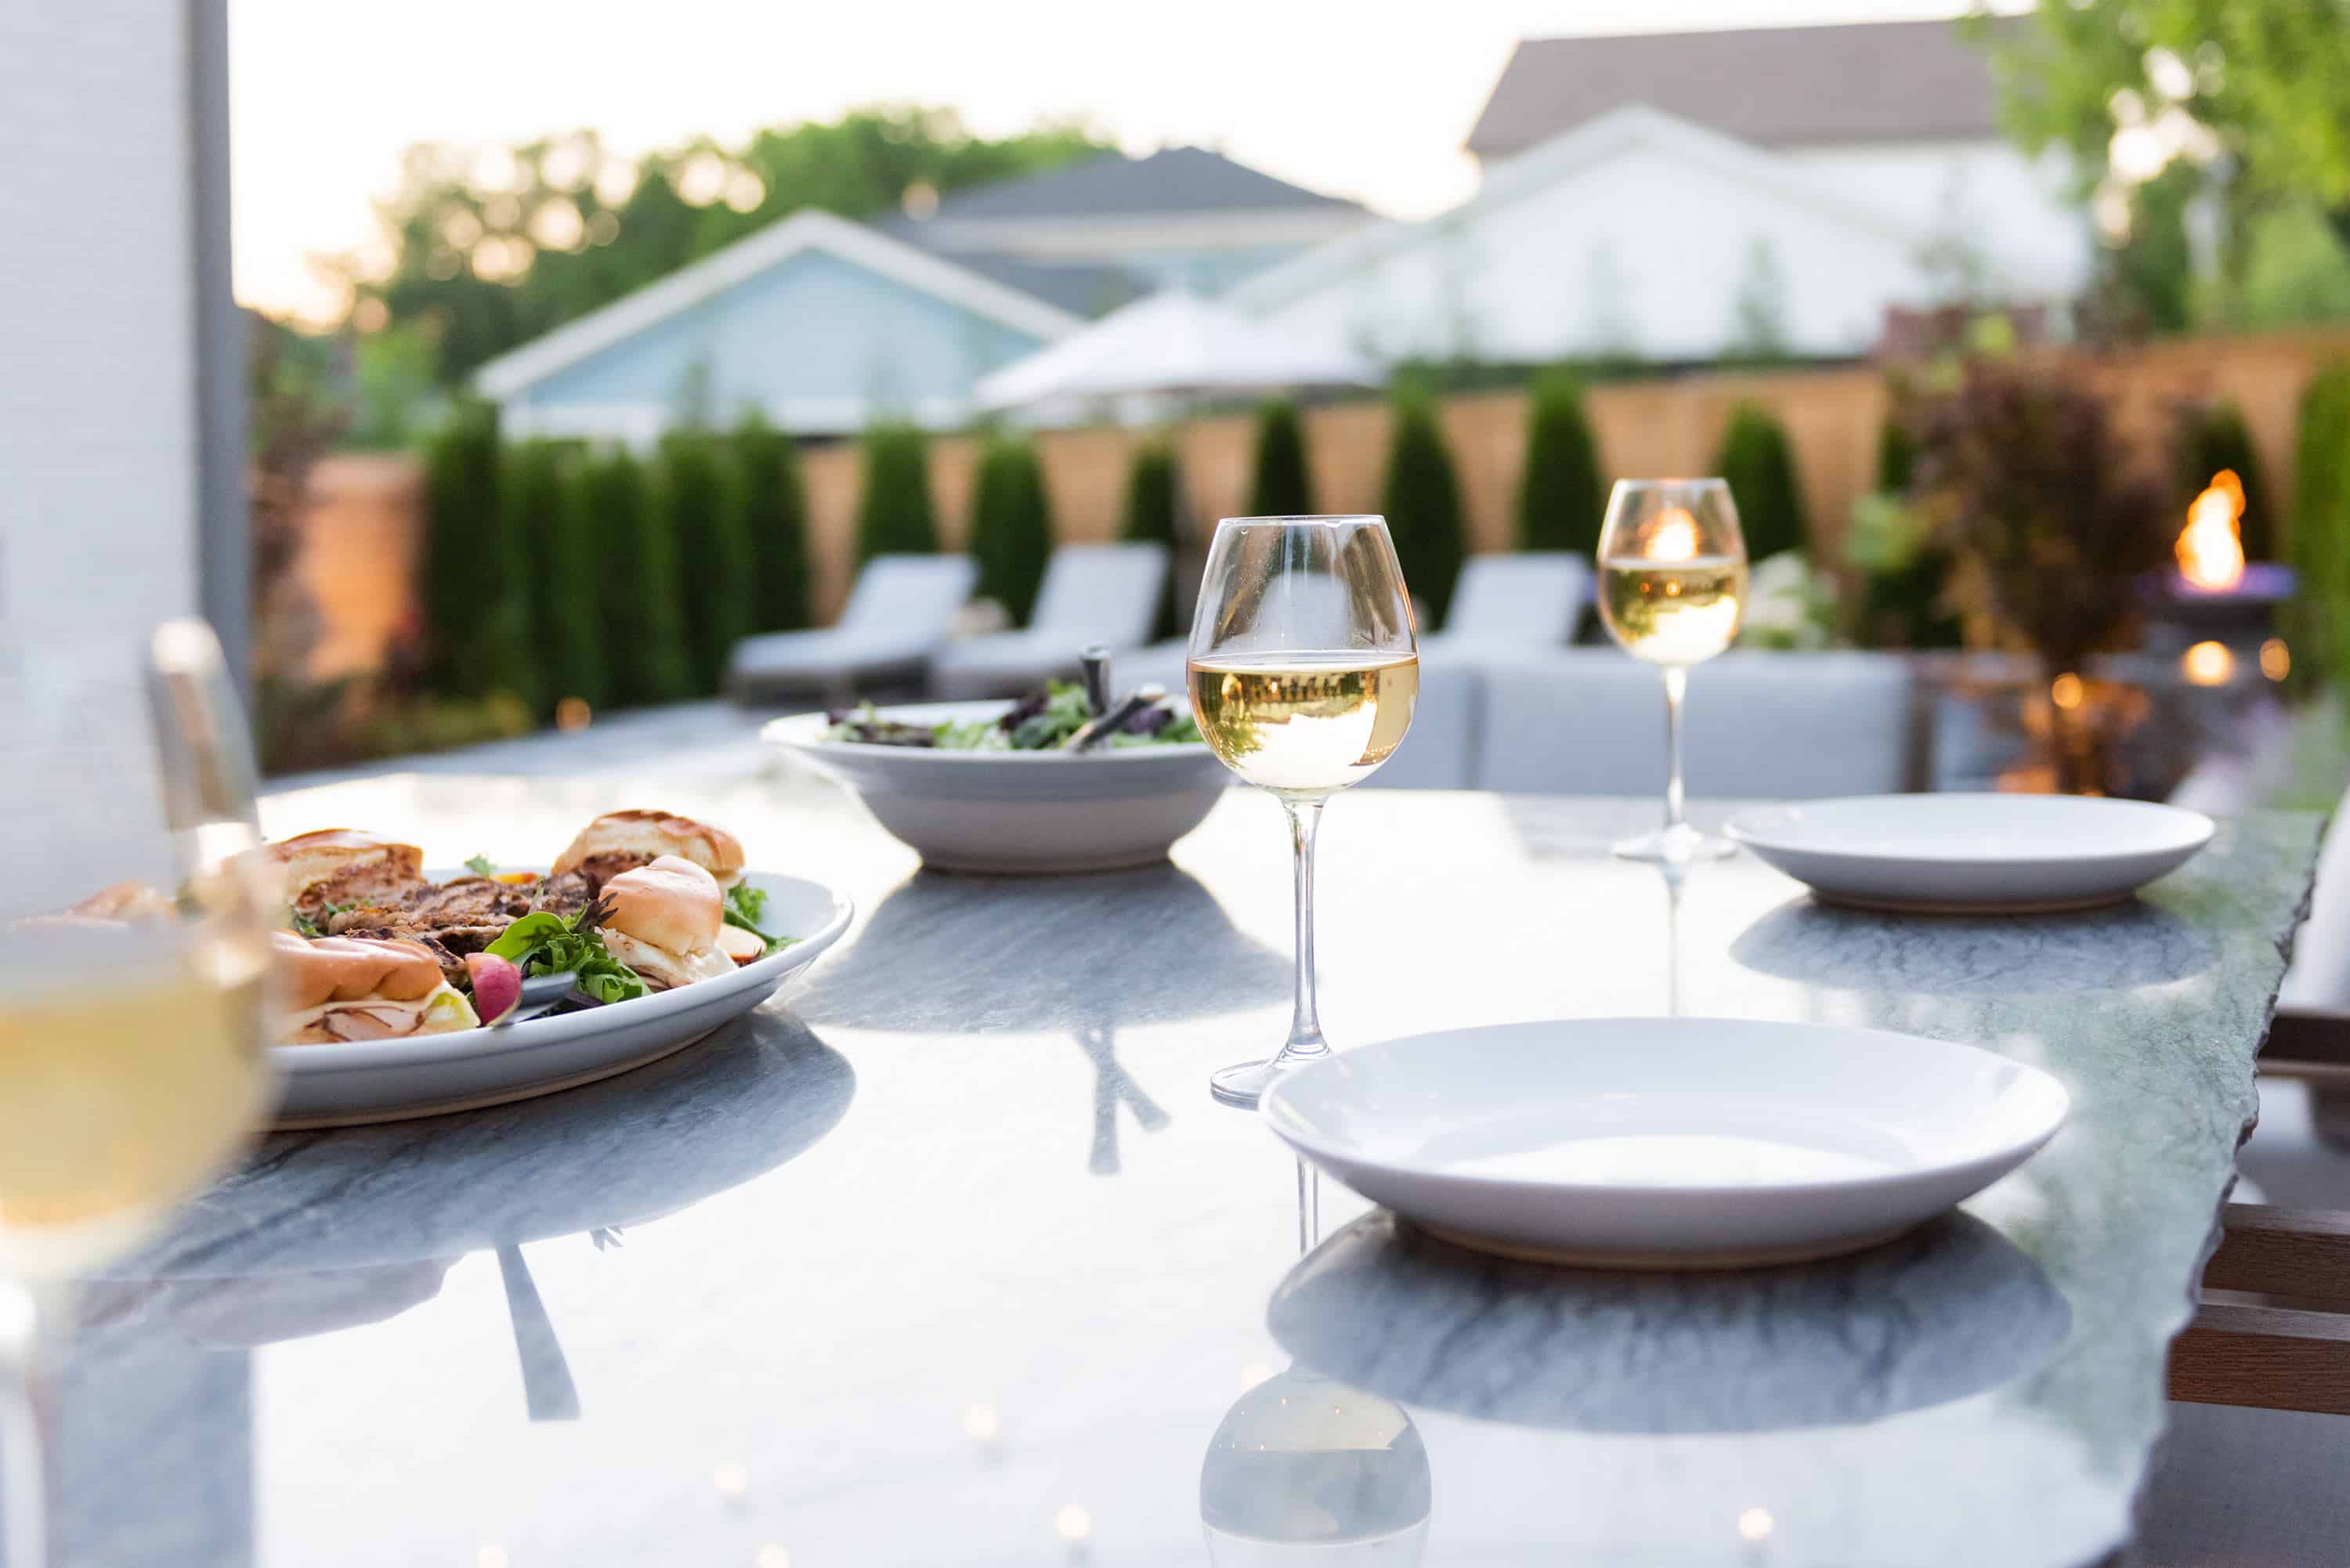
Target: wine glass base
x,y
1245,1083
1675,845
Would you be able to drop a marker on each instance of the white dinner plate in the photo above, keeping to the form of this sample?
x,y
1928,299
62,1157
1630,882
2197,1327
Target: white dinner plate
x,y
1667,1143
1973,853
1017,813
427,1075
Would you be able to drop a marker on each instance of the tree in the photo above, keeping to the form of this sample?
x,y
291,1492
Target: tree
x,y
2216,438
1282,486
1897,455
1152,518
613,509
1011,524
1424,503
703,508
530,505
895,514
568,570
1760,326
475,568
1760,465
488,249
1561,500
776,517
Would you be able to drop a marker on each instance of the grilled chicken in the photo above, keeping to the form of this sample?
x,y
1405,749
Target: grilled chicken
x,y
462,916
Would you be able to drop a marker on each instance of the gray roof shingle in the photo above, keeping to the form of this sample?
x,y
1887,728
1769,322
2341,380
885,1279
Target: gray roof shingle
x,y
1877,81
1173,179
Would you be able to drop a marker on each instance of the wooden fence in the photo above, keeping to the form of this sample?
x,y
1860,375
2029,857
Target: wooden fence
x,y
1665,426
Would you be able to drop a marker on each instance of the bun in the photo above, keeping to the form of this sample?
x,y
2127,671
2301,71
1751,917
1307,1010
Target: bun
x,y
344,865
361,987
665,921
639,836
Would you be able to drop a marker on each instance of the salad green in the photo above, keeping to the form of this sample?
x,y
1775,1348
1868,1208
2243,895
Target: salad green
x,y
1037,723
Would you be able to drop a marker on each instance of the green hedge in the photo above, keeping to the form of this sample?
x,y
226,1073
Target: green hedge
x,y
774,510
1760,465
1011,524
530,508
1282,486
703,506
1423,505
2216,438
1152,518
1896,457
475,578
2320,543
895,515
1561,500
613,507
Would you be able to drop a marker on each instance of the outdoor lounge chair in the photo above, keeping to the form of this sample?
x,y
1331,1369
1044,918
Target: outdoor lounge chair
x,y
1520,600
895,621
1092,593
1591,720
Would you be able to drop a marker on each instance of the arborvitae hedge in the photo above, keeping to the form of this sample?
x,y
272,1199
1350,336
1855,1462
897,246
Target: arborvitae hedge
x,y
1760,465
775,508
570,569
2320,542
1151,518
1896,457
702,493
1423,505
1011,524
530,501
895,515
637,577
1560,498
1282,486
2216,438
475,570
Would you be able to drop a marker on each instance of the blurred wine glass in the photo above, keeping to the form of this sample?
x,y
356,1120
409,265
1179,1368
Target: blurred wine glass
x,y
1303,673
1672,591
1305,1468
134,926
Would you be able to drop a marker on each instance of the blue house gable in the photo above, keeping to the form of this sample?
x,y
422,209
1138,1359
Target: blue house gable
x,y
821,323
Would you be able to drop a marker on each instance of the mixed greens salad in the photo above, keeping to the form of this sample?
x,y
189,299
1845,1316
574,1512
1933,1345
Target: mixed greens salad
x,y
1039,722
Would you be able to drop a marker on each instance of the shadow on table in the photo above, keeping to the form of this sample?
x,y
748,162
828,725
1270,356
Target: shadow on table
x,y
1950,1309
2113,949
960,955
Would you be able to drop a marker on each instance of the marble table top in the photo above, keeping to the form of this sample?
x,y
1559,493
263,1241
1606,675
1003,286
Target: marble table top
x,y
949,1257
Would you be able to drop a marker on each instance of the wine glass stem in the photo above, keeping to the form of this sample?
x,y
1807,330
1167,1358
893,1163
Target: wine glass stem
x,y
1676,688
1306,1021
24,1474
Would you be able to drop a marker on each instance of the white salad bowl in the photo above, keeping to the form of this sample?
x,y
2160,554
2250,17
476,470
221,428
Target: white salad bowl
x,y
1016,812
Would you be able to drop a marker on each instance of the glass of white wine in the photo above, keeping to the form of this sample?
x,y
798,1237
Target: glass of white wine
x,y
1672,591
1304,672
133,956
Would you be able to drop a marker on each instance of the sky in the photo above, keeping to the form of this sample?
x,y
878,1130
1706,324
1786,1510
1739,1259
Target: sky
x,y
1365,99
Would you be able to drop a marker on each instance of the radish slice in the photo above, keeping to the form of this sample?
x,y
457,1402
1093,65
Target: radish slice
x,y
498,985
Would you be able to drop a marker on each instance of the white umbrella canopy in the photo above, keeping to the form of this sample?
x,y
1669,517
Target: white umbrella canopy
x,y
1171,342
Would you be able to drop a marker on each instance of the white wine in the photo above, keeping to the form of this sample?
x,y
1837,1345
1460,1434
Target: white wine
x,y
130,1068
1673,612
1304,723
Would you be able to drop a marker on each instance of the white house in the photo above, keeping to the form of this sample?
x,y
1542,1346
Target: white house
x,y
1665,195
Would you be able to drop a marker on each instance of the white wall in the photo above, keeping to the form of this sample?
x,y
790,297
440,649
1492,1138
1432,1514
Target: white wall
x,y
98,465
1644,249
2014,212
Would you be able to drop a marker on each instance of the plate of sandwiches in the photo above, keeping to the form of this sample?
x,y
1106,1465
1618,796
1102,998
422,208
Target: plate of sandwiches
x,y
403,990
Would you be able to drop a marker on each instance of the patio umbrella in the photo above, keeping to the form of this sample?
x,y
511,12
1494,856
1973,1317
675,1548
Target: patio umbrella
x,y
1173,342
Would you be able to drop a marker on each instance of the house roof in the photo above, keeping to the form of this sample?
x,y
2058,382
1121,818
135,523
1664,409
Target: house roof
x,y
1568,156
1172,180
746,258
1776,87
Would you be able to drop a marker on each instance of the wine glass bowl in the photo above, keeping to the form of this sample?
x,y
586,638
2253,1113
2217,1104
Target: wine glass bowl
x,y
1304,671
1672,591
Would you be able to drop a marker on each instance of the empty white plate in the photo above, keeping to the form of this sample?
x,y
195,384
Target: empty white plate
x,y
1673,1143
1973,853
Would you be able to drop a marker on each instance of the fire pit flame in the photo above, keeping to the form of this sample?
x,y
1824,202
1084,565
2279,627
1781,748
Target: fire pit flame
x,y
2210,548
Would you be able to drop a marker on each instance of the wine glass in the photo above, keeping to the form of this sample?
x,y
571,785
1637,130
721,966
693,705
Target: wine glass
x,y
134,925
1672,591
1304,671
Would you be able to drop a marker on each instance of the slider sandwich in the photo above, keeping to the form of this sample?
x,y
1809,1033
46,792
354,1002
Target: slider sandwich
x,y
664,923
622,841
356,988
343,867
